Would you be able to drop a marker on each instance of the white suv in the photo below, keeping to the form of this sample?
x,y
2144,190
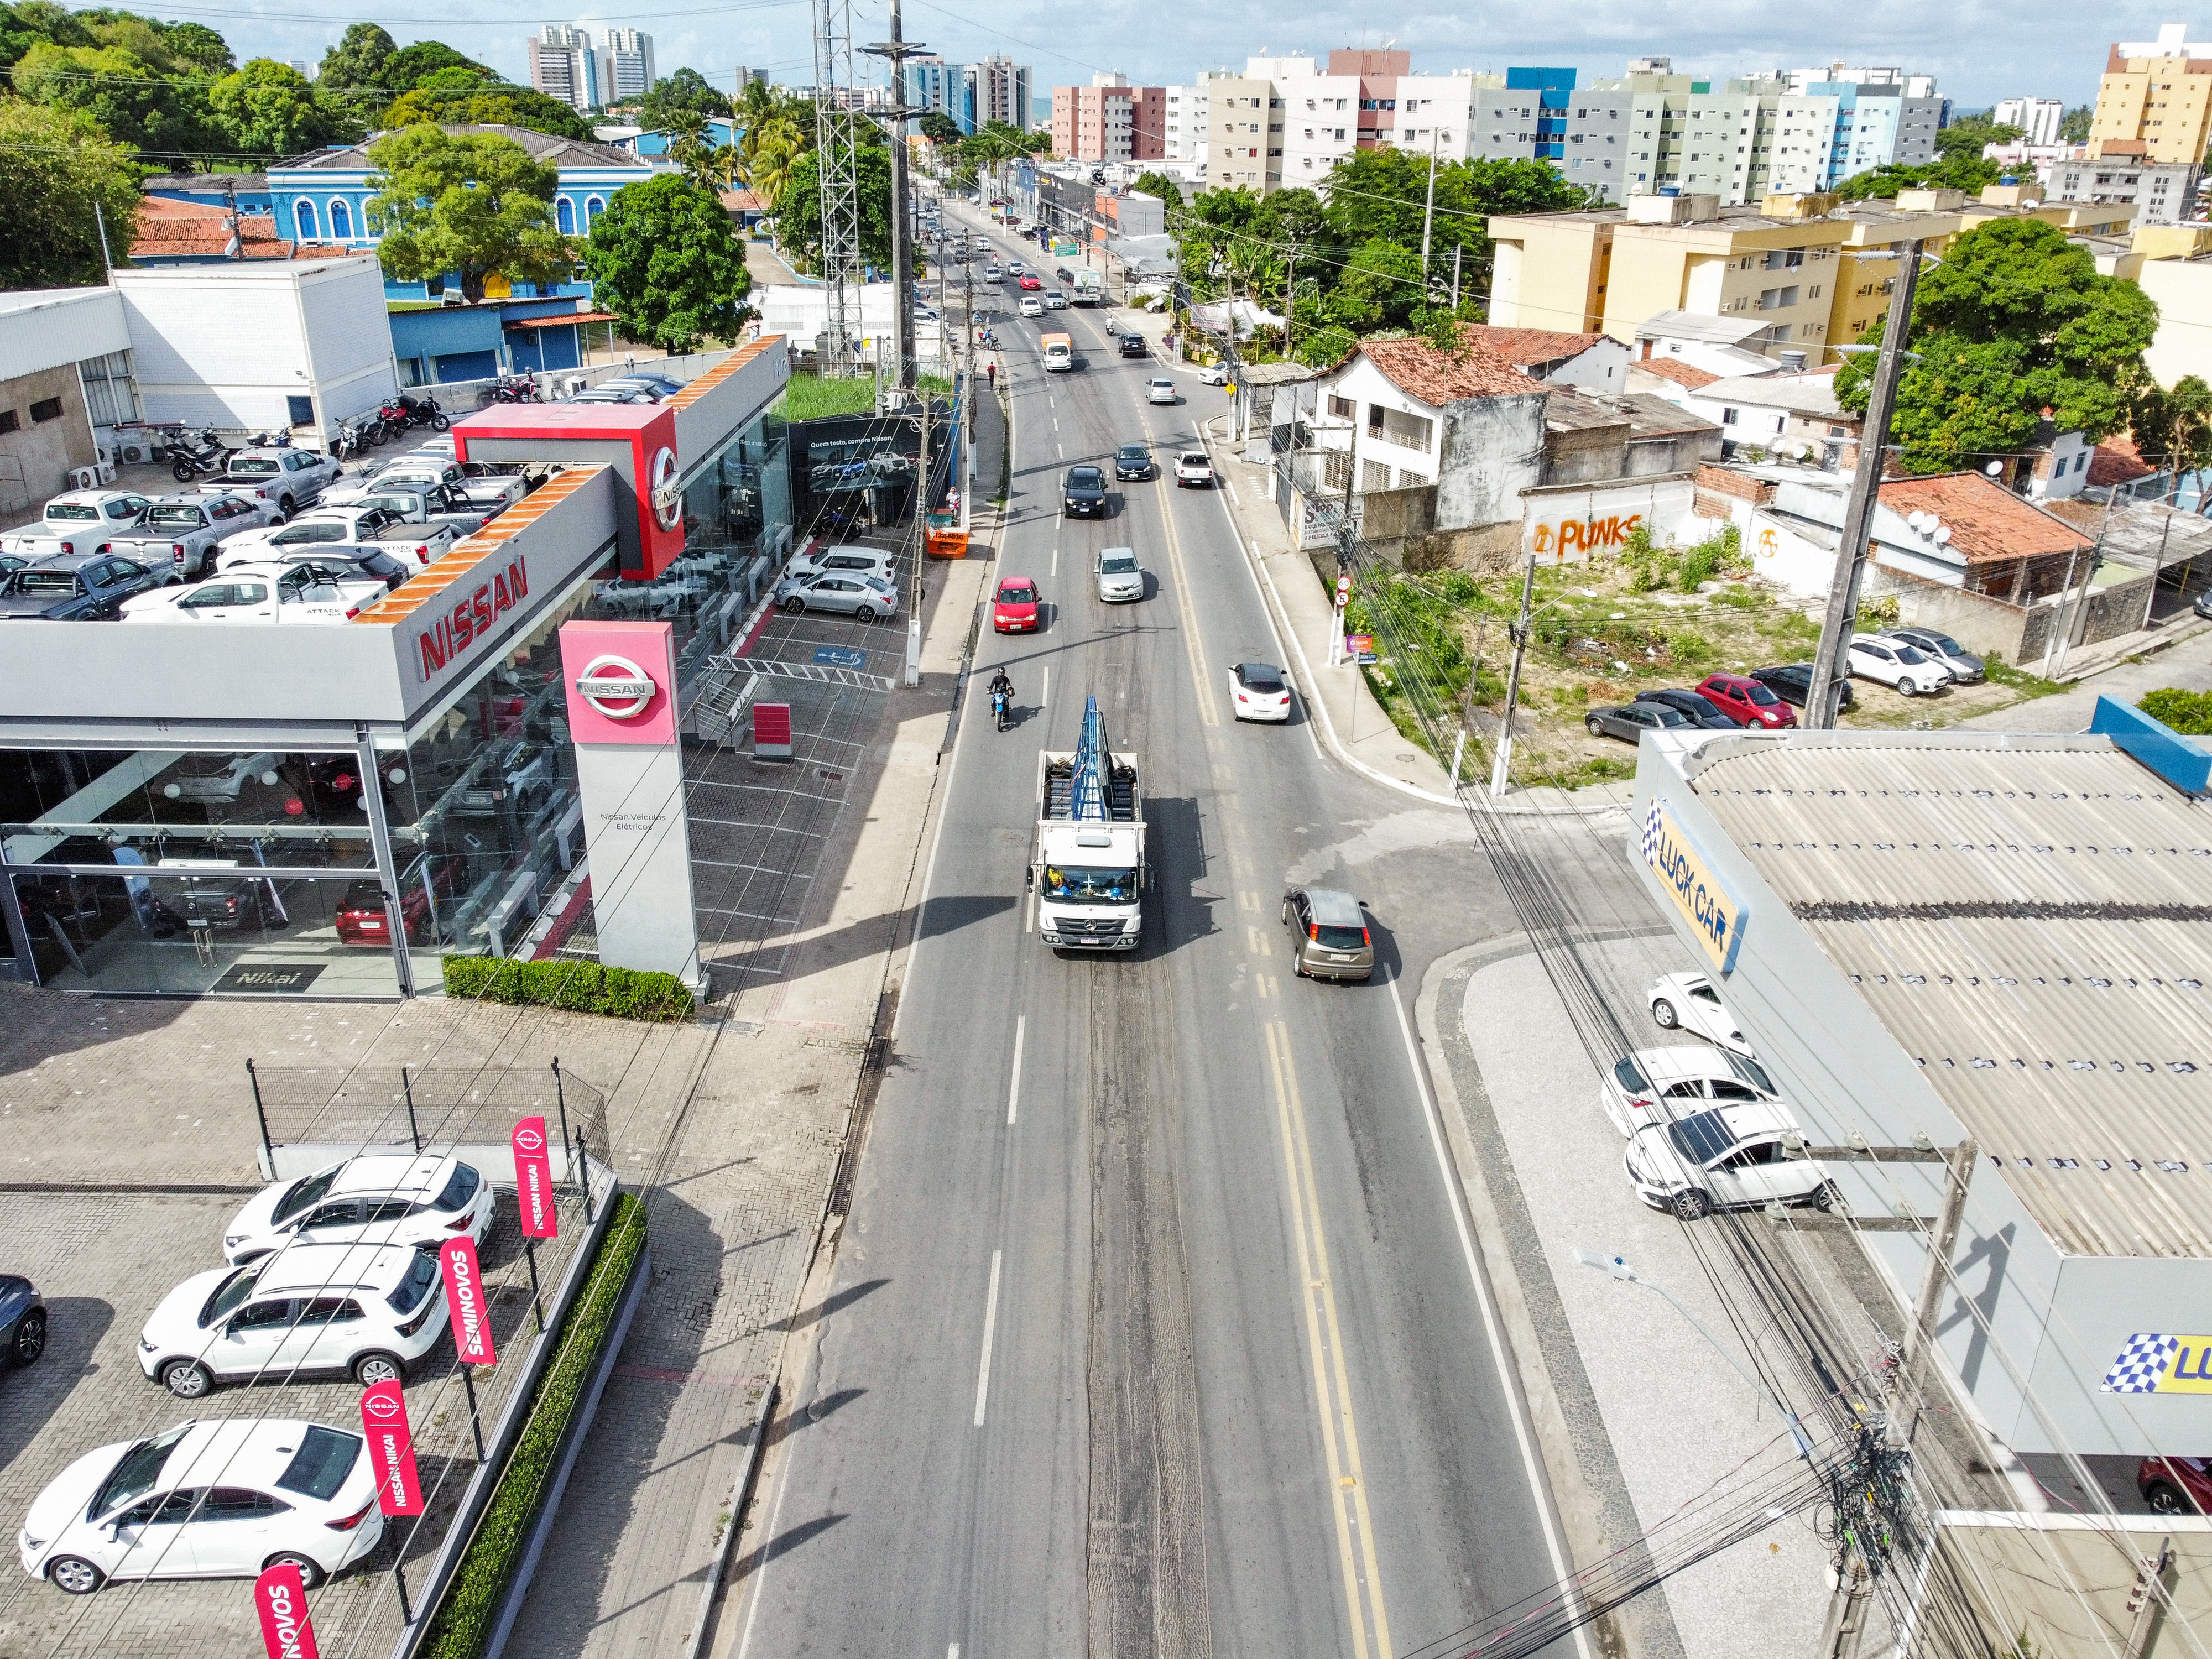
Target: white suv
x,y
226,1499
358,1310
1895,662
1653,1085
385,1198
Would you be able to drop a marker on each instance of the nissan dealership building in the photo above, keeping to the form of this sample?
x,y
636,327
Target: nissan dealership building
x,y
252,809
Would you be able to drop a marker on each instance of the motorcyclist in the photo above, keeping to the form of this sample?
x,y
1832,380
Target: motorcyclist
x,y
1002,693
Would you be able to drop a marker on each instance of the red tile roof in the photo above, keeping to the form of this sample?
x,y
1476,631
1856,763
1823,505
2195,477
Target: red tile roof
x,y
2118,461
1987,521
1420,370
1674,370
1522,346
170,229
740,201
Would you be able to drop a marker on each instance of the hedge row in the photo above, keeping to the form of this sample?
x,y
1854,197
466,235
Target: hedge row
x,y
2188,713
471,1608
583,988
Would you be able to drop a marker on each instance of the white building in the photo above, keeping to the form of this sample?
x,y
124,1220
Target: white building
x,y
1183,135
1318,122
564,63
628,58
1436,113
2038,118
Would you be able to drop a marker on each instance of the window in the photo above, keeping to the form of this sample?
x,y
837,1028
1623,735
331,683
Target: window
x,y
341,221
564,216
47,409
593,207
303,220
300,410
1342,409
1729,417
8,421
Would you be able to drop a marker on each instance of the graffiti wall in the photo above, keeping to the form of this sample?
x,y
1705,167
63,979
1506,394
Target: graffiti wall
x,y
1564,527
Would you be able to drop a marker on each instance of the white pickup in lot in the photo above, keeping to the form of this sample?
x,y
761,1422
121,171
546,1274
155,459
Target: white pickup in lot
x,y
289,479
304,592
478,485
81,521
353,524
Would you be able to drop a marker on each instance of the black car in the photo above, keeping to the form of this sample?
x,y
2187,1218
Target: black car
x,y
22,1320
1133,461
1084,496
1132,344
1700,711
1629,721
78,587
1793,682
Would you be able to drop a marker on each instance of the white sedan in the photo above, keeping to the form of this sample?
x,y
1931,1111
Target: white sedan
x,y
1161,390
854,560
383,1198
261,593
1725,1157
222,1499
862,598
1032,306
1258,691
1655,1085
1213,374
1688,1002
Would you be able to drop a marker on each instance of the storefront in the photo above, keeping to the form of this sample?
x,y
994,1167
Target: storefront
x,y
271,810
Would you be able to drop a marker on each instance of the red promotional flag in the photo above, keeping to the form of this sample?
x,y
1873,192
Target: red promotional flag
x,y
282,1600
464,1301
533,1180
392,1449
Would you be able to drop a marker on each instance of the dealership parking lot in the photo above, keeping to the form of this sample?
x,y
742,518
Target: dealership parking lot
x,y
102,1260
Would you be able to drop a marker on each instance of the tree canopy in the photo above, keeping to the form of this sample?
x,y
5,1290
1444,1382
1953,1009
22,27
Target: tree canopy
x,y
358,59
271,108
54,165
2014,326
449,97
474,204
799,208
939,128
409,66
1964,138
664,259
1160,184
685,90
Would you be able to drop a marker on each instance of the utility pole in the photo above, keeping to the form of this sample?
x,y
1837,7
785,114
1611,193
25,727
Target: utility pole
x,y
1503,762
1458,248
1920,1338
897,50
1428,212
1830,663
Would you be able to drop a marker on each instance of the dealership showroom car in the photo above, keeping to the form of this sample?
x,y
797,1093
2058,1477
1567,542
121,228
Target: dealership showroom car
x,y
1688,1002
862,561
367,1311
1654,1084
225,1499
864,599
383,1198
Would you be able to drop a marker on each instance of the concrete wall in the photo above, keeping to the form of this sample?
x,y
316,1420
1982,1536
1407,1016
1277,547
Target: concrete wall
x,y
1491,450
2182,344
1551,274
44,451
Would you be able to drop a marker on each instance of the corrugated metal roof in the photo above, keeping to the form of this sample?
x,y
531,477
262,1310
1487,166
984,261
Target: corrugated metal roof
x,y
2034,927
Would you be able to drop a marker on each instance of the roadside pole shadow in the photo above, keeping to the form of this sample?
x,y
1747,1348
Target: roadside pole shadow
x,y
749,1563
810,1413
827,1305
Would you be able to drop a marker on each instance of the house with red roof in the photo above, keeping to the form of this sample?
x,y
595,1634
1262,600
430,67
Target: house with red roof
x,y
1594,362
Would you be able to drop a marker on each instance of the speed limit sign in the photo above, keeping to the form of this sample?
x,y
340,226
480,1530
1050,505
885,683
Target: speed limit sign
x,y
1343,592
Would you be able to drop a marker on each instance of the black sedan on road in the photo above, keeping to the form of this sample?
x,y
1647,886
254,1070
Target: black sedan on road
x,y
22,1320
1792,683
1084,495
1693,704
1629,721
1133,461
80,588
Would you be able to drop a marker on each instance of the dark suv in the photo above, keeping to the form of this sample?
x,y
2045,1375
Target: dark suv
x,y
78,587
1132,344
1085,497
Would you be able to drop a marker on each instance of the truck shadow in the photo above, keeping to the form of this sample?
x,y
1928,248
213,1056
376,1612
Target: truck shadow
x,y
1177,835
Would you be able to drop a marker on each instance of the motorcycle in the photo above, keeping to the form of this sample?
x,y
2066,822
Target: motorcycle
x,y
1001,710
186,464
424,412
516,389
348,441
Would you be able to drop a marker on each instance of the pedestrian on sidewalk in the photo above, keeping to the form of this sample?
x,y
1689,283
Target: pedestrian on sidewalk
x,y
992,371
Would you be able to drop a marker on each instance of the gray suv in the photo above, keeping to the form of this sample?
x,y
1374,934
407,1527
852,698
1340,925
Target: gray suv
x,y
1329,936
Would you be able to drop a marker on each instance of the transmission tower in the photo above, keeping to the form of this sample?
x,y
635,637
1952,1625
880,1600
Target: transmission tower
x,y
836,150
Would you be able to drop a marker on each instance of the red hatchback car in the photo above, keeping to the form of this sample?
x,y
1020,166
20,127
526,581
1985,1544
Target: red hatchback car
x,y
1014,607
1746,701
1029,281
2175,1486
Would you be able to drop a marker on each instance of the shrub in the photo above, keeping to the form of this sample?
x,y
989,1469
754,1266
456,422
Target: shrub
x,y
2188,713
583,988
464,1616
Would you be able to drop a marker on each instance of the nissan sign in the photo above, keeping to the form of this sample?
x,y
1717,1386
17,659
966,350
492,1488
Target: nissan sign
x,y
533,1181
280,1599
667,498
392,1449
465,1300
617,687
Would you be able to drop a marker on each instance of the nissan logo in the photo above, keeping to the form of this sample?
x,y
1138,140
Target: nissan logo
x,y
616,686
529,1139
379,1405
667,499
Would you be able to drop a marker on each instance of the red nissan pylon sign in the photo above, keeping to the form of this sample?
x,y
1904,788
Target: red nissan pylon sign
x,y
282,1600
467,1303
392,1449
533,1180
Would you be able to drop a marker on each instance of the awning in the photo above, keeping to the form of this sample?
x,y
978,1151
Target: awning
x,y
563,321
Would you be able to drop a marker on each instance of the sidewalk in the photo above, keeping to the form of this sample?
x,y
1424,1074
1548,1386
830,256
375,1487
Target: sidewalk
x,y
2187,663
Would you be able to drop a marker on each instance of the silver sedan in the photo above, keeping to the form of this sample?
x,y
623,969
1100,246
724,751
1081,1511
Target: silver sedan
x,y
862,598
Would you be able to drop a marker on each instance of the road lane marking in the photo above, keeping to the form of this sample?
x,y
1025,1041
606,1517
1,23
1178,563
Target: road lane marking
x,y
1014,1086
1260,945
1247,899
1193,644
990,1325
1355,1526
1044,690
1231,483
1539,1485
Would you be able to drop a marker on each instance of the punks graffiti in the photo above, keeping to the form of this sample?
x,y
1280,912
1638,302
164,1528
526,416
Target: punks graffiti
x,y
1570,538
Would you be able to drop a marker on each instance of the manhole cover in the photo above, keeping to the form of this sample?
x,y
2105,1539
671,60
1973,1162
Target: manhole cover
x,y
1404,757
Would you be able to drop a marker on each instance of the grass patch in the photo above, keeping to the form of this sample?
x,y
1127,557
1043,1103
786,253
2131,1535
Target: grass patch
x,y
414,305
808,397
2001,672
466,1616
582,987
2188,713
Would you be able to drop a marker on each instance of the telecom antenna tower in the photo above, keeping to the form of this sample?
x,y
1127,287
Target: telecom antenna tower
x,y
837,153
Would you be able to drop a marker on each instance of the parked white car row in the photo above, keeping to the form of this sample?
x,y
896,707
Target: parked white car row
x,y
334,1274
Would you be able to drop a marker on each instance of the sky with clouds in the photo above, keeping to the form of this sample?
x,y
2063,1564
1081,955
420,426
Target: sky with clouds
x,y
1978,51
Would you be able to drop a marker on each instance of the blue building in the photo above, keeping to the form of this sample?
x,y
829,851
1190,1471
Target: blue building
x,y
324,196
651,142
498,337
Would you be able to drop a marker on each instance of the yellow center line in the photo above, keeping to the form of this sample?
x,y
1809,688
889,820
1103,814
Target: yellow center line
x,y
1363,1572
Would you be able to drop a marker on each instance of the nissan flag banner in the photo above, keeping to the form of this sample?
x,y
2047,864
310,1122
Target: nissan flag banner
x,y
281,1601
392,1449
533,1180
464,1301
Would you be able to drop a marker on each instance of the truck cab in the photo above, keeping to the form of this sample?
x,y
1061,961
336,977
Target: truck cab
x,y
1088,865
1059,353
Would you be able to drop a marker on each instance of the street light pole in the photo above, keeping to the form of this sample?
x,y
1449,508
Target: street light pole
x,y
1503,763
1830,663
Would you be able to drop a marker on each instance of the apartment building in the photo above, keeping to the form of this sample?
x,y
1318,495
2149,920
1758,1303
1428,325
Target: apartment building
x,y
1244,135
2161,192
2038,118
1182,122
999,90
933,84
1525,119
1109,120
565,63
630,72
1651,130
2156,101
1828,131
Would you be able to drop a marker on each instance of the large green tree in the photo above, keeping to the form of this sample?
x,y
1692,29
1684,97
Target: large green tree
x,y
409,67
2173,426
939,128
799,208
2014,325
271,109
454,97
134,101
685,90
55,164
1964,138
471,204
1161,184
357,63
663,258
1381,195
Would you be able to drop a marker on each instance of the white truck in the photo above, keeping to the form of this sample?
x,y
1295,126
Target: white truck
x,y
1087,864
352,522
268,592
1090,287
488,490
1059,352
81,521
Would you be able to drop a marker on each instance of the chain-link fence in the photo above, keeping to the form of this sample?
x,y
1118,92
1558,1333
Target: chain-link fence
x,y
388,1108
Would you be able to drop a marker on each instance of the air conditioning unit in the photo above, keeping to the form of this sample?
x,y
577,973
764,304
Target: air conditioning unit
x,y
573,385
85,477
133,453
106,470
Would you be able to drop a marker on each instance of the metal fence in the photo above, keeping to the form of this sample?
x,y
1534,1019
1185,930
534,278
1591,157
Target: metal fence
x,y
385,1108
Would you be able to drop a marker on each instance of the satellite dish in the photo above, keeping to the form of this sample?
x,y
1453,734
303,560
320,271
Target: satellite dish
x,y
1918,520
1995,469
1942,534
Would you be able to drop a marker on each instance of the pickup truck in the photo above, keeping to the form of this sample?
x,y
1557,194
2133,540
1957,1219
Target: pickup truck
x,y
355,523
289,478
441,506
489,490
305,593
75,587
81,521
389,565
185,531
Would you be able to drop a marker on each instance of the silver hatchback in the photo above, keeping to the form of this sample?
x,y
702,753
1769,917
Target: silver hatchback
x,y
1329,935
1120,578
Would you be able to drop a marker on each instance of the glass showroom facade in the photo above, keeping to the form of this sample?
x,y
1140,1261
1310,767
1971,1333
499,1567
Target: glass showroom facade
x,y
271,868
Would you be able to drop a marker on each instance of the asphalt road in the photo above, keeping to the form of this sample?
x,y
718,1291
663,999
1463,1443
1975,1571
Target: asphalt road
x,y
1153,1330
